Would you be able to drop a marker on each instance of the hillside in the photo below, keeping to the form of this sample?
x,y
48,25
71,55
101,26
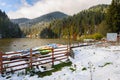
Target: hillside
x,y
24,22
7,28
20,20
33,27
49,17
101,8
57,24
85,22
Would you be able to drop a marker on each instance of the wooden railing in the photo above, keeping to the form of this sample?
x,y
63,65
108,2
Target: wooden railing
x,y
15,61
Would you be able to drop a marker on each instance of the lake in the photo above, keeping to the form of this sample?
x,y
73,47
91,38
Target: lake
x,y
15,44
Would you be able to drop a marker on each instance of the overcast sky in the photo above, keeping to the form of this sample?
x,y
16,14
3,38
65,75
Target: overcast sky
x,y
34,8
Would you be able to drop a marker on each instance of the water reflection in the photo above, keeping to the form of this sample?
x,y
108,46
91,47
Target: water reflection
x,y
25,43
4,43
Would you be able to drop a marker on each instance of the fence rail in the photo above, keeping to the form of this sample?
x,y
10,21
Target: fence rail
x,y
15,61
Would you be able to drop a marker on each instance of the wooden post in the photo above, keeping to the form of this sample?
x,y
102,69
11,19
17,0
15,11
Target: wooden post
x,y
68,50
1,63
52,56
30,62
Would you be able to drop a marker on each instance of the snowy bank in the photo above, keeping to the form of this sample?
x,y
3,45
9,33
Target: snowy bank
x,y
91,62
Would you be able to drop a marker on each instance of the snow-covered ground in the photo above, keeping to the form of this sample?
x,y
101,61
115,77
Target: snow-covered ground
x,y
90,63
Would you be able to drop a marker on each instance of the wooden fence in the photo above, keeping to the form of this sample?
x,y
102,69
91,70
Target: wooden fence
x,y
15,61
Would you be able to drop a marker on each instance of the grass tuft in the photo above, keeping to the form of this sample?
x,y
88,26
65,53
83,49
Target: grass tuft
x,y
107,63
84,68
56,68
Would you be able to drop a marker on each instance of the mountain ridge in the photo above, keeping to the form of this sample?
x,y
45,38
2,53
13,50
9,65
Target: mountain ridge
x,y
44,18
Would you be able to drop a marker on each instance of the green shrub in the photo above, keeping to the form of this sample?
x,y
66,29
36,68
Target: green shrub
x,y
97,36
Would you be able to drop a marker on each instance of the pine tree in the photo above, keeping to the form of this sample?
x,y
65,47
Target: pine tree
x,y
113,16
7,28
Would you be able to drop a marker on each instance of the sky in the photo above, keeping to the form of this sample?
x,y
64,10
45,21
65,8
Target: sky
x,y
35,8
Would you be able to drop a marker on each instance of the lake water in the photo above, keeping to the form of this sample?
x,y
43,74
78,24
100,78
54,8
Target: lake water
x,y
26,43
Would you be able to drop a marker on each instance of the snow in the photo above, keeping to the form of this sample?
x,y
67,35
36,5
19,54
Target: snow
x,y
103,62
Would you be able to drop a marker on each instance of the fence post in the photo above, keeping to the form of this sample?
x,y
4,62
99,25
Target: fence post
x,y
30,62
52,56
1,63
68,48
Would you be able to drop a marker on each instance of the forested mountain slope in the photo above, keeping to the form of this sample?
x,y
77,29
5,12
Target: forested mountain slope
x,y
7,28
